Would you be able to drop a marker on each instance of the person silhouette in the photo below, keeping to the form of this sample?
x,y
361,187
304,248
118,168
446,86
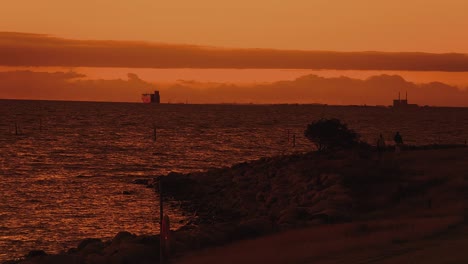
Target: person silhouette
x,y
398,139
380,145
398,142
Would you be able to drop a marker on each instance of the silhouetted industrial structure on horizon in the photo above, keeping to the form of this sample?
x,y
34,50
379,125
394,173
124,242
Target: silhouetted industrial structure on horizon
x,y
153,98
400,103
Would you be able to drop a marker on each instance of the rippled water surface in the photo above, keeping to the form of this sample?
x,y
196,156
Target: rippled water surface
x,y
63,175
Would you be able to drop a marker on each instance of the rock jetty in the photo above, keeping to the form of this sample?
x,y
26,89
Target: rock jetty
x,y
271,195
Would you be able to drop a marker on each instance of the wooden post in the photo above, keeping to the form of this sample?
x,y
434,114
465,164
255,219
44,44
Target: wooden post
x,y
161,215
167,237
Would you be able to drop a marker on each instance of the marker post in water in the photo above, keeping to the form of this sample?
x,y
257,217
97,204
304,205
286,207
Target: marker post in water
x,y
161,213
164,228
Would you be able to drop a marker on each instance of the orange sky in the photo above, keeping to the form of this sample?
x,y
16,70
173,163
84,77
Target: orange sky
x,y
339,25
158,40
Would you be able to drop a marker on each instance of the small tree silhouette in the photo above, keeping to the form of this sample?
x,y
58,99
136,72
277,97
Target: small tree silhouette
x,y
331,134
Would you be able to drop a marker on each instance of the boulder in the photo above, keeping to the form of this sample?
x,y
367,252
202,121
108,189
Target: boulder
x,y
35,253
90,246
123,236
141,181
84,243
59,259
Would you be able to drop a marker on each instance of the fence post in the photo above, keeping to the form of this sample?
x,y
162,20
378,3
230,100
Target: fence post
x,y
161,232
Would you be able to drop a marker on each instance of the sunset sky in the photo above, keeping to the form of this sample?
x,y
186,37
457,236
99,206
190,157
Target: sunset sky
x,y
338,25
271,40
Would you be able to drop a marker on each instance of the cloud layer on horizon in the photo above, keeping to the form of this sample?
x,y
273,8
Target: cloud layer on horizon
x,y
376,90
69,86
24,49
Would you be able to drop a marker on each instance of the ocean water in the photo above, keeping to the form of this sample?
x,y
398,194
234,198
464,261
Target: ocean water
x,y
65,165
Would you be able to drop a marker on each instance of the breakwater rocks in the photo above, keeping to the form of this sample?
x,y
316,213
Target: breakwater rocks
x,y
279,193
272,194
123,248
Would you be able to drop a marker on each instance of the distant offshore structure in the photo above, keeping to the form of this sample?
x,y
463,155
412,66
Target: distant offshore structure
x,y
403,104
153,98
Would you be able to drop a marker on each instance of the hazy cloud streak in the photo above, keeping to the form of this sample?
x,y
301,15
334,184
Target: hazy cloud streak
x,y
22,49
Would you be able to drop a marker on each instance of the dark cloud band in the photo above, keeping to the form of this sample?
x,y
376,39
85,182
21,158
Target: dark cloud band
x,y
21,49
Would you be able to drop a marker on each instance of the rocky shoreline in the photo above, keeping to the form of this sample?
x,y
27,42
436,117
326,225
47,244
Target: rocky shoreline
x,y
266,196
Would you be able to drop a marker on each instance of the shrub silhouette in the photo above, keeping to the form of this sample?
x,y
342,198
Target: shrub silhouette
x,y
331,134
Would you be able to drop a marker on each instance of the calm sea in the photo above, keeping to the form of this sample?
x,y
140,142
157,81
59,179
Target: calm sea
x,y
63,176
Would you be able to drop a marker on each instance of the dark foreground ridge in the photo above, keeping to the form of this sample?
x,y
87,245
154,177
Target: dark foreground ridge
x,y
297,191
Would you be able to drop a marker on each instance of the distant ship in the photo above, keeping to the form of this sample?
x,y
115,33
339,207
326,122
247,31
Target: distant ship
x,y
153,98
403,104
